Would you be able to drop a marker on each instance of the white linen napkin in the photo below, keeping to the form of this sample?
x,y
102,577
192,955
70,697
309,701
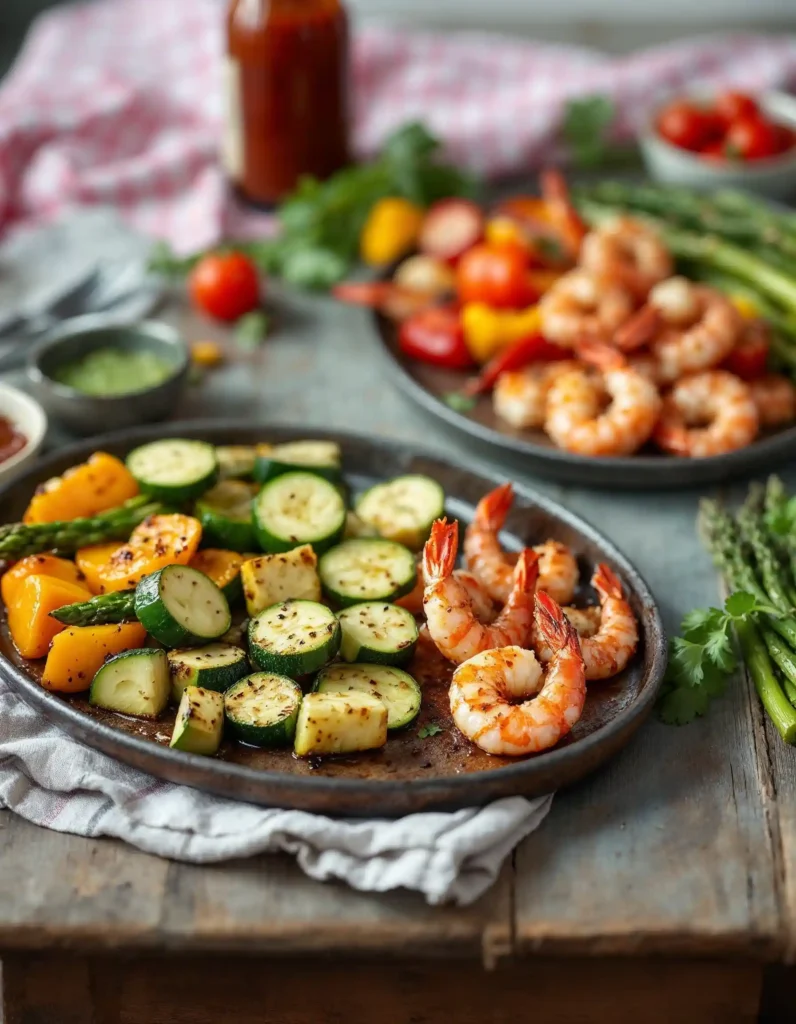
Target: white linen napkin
x,y
52,780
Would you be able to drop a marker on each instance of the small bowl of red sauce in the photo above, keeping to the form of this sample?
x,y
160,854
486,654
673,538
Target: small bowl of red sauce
x,y
730,140
23,424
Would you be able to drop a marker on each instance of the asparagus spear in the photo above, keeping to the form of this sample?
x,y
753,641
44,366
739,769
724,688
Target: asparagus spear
x,y
105,608
758,663
20,539
785,659
769,567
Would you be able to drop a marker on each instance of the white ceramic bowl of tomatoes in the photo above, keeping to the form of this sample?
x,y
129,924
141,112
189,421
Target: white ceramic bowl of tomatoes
x,y
731,140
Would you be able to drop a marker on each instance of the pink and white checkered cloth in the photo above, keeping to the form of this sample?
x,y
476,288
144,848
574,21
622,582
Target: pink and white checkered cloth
x,y
119,102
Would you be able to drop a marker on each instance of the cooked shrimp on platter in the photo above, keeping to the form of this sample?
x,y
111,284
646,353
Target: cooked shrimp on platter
x,y
579,307
494,567
483,605
520,396
707,414
627,252
503,702
451,618
775,399
577,420
611,646
689,327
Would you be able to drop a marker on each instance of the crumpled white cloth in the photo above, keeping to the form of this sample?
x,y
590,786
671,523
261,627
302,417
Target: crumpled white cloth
x,y
52,780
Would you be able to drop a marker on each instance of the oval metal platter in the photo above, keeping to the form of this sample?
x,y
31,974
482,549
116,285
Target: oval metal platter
x,y
411,773
534,452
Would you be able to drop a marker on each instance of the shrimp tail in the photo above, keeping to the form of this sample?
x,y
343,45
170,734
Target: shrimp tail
x,y
606,582
599,354
439,553
555,628
526,572
639,329
492,509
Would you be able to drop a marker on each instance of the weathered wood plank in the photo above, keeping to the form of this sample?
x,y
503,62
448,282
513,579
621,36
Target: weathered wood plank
x,y
64,891
203,991
669,848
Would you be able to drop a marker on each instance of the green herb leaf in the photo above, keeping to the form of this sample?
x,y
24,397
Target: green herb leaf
x,y
584,128
740,604
682,705
687,657
718,650
314,268
429,730
699,623
461,403
252,329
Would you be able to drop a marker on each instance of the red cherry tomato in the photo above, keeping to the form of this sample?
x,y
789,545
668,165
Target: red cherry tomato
x,y
225,285
752,138
496,275
749,359
688,126
435,336
714,151
730,106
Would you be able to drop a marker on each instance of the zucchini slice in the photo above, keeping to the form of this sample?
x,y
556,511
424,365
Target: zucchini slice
x,y
200,722
367,569
174,470
396,689
269,579
235,461
298,508
340,723
354,527
319,457
225,512
262,709
215,667
377,632
135,682
403,509
180,607
294,638
223,568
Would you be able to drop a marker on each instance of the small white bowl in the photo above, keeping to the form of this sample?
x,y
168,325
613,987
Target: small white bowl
x,y
774,178
29,417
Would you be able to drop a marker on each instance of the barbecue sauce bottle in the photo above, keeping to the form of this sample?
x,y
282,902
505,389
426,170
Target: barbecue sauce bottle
x,y
286,93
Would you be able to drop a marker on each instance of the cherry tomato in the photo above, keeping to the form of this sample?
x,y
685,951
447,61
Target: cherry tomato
x,y
496,275
688,126
225,285
752,138
749,359
435,336
730,106
714,151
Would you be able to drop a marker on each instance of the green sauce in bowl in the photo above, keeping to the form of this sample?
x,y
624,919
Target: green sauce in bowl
x,y
114,371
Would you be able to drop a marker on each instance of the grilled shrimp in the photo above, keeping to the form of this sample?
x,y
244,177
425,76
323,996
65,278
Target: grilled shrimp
x,y
486,691
689,327
775,398
707,414
452,622
483,605
578,307
520,396
611,646
627,252
494,567
576,420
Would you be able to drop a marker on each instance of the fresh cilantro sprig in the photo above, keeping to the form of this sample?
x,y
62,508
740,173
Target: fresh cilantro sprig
x,y
585,130
703,657
431,729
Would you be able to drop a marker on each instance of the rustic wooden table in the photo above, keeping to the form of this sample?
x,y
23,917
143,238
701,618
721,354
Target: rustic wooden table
x,y
657,890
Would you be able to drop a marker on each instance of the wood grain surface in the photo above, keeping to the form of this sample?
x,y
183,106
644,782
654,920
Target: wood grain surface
x,y
684,844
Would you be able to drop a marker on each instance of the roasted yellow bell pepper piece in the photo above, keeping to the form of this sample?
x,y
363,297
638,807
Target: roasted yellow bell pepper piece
x,y
79,652
38,565
391,231
94,486
29,621
488,330
747,307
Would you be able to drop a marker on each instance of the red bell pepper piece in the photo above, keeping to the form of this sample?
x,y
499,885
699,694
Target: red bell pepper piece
x,y
532,349
749,359
435,336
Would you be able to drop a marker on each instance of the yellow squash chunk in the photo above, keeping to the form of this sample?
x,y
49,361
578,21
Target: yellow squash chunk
x,y
38,565
270,579
157,542
29,620
79,652
94,486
